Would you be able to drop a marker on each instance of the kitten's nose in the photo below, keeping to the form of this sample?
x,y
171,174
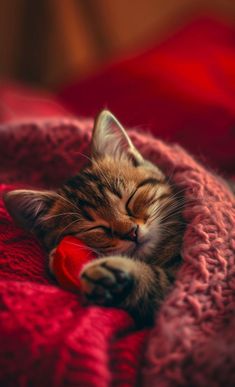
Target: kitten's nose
x,y
133,233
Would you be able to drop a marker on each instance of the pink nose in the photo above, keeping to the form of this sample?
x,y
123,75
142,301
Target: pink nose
x,y
133,233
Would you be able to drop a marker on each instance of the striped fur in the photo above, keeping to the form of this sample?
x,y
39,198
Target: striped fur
x,y
125,209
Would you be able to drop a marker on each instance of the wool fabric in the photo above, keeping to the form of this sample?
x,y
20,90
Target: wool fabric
x,y
49,339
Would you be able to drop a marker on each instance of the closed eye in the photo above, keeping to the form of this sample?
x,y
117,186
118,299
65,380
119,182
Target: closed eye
x,y
107,230
149,181
129,212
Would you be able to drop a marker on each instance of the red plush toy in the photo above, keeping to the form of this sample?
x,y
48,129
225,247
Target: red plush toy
x,y
68,260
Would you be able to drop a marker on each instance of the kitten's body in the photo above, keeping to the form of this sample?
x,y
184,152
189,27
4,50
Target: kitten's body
x,y
125,209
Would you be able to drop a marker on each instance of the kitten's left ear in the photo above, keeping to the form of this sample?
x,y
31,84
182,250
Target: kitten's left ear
x,y
27,206
111,139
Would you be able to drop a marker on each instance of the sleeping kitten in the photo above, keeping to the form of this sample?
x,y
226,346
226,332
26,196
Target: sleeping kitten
x,y
125,209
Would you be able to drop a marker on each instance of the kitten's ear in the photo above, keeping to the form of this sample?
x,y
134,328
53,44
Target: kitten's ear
x,y
111,139
26,206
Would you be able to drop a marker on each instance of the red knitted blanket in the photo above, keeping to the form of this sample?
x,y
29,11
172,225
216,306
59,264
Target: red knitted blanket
x,y
49,339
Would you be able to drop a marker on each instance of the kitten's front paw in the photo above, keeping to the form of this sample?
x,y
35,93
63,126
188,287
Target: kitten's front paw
x,y
106,281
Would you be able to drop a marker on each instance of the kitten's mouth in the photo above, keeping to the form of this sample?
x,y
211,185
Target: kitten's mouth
x,y
135,248
139,246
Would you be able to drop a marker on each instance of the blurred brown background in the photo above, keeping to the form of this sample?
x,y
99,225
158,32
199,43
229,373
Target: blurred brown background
x,y
48,42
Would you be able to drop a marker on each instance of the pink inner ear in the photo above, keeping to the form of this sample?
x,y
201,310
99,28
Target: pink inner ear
x,y
25,205
109,137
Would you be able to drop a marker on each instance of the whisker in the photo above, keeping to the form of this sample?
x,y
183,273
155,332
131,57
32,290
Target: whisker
x,y
65,228
166,212
83,154
88,247
66,200
102,173
48,217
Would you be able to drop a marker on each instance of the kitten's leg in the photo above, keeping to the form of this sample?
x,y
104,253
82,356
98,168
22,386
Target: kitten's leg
x,y
126,283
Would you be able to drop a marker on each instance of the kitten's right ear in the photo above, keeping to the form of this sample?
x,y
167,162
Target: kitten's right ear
x,y
27,206
111,139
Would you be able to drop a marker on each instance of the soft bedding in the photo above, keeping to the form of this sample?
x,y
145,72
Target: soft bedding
x,y
48,338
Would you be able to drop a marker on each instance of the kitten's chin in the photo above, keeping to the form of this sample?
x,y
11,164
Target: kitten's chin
x,y
143,250
140,251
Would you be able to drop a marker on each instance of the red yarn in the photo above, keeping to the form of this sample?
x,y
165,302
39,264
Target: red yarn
x,y
67,262
49,339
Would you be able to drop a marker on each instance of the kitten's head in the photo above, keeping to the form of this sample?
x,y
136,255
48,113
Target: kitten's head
x,y
118,204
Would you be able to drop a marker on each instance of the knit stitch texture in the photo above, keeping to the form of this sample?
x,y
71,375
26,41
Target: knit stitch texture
x,y
49,339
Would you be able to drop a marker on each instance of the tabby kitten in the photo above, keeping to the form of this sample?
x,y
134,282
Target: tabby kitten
x,y
125,209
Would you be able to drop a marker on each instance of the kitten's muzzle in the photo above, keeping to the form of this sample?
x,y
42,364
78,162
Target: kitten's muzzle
x,y
132,235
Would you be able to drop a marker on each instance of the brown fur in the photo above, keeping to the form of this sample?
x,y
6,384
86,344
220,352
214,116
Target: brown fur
x,y
117,200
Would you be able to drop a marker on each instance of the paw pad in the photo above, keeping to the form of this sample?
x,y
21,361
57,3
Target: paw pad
x,y
104,284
